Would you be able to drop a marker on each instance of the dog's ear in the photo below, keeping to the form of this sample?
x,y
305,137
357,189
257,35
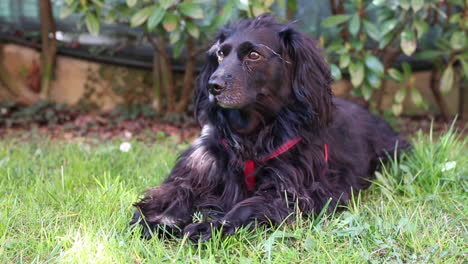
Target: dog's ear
x,y
310,74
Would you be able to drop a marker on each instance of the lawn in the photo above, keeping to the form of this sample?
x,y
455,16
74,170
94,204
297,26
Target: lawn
x,y
70,202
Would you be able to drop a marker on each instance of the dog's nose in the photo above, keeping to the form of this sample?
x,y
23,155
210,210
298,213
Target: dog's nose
x,y
216,85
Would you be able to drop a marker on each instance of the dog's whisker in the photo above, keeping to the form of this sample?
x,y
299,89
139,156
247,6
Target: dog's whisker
x,y
246,65
274,52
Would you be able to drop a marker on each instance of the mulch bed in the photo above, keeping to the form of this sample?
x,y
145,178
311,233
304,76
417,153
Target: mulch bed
x,y
145,129
100,128
410,125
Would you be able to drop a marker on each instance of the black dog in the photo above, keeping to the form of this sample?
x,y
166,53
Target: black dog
x,y
273,138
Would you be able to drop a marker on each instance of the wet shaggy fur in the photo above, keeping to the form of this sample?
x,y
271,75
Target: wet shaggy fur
x,y
263,84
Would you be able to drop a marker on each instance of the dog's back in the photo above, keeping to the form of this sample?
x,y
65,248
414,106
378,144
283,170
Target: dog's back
x,y
363,140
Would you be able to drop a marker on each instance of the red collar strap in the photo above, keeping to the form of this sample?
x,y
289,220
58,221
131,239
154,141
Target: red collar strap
x,y
249,165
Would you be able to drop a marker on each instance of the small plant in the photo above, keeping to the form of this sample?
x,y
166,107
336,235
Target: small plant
x,y
131,112
41,113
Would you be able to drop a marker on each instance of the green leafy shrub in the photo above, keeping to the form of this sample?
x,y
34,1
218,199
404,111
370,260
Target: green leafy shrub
x,y
374,33
368,41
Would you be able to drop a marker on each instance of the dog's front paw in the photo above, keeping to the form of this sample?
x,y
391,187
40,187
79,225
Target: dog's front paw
x,y
161,226
200,231
204,231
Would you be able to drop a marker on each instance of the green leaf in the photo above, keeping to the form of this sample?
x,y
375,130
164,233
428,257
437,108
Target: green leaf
x,y
464,63
405,4
292,5
430,54
111,17
332,21
356,69
141,16
268,3
131,3
421,27
416,96
460,3
458,40
441,13
385,40
344,60
174,37
157,14
408,42
178,47
395,74
170,22
371,30
223,15
407,72
446,82
366,91
357,44
400,95
388,26
191,10
385,14
258,10
354,25
167,3
455,18
417,5
374,64
397,109
378,2
92,23
98,3
66,11
336,46
373,79
336,72
193,30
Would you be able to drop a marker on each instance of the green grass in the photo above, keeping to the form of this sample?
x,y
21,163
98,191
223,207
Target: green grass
x,y
71,203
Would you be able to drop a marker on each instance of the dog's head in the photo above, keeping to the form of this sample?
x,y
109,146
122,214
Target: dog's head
x,y
262,66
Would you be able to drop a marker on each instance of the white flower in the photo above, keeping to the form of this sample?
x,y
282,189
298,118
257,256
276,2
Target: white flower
x,y
121,243
125,147
450,165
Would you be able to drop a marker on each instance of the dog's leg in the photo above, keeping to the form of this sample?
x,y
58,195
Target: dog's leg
x,y
171,204
164,210
261,209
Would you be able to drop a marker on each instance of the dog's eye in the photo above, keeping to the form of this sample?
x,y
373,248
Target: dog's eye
x,y
253,55
220,54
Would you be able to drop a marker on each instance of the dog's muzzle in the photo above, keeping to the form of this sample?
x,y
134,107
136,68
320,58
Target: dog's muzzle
x,y
216,85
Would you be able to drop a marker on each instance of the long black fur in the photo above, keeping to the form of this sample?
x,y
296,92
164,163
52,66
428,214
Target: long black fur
x,y
208,177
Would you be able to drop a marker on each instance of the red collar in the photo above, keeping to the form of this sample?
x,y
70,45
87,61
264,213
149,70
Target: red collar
x,y
249,165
